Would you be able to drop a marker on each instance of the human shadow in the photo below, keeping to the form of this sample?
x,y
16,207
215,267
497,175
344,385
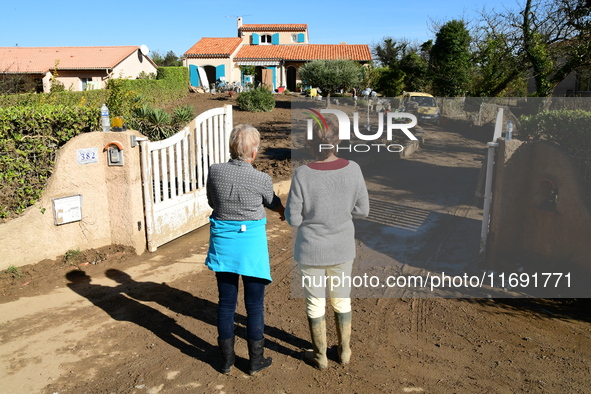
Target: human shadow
x,y
123,308
180,302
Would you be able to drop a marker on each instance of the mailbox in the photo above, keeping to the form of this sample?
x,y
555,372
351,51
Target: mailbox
x,y
114,153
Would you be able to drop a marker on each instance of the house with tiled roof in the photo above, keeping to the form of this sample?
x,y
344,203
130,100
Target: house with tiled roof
x,y
78,68
275,51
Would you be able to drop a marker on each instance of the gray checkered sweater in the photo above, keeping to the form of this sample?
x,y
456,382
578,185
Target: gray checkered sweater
x,y
322,204
236,191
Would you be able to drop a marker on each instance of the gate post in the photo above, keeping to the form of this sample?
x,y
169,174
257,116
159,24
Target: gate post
x,y
148,190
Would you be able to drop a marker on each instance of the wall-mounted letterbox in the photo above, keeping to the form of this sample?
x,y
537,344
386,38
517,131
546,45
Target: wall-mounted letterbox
x,y
114,153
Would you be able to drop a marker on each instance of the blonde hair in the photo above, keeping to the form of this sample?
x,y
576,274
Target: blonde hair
x,y
244,140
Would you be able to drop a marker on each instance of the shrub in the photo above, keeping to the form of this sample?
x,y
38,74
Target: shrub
x,y
157,124
87,98
34,126
182,115
256,100
29,139
122,100
567,128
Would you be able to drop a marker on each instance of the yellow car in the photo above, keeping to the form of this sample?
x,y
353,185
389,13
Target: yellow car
x,y
423,105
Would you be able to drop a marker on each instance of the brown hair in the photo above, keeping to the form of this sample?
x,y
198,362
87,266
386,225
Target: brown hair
x,y
324,134
244,139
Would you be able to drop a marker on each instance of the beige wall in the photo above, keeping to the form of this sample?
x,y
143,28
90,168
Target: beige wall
x,y
232,71
133,65
71,79
523,231
112,206
284,37
130,67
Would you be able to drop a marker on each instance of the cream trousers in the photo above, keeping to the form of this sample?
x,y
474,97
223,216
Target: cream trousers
x,y
317,279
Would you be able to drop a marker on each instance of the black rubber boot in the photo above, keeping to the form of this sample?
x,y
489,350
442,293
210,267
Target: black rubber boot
x,y
228,355
255,352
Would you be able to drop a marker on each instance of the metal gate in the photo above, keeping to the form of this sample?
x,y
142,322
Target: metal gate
x,y
174,174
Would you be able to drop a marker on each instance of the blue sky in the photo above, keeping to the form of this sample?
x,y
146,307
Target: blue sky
x,y
179,24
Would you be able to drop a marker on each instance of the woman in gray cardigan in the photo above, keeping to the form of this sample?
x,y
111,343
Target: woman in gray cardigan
x,y
325,196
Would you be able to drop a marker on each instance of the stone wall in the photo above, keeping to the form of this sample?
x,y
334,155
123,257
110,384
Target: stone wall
x,y
540,212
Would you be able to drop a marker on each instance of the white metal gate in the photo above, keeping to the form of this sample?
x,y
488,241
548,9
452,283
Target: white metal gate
x,y
174,173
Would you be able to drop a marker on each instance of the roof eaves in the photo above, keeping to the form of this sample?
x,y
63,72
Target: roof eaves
x,y
207,55
302,27
258,58
24,72
84,68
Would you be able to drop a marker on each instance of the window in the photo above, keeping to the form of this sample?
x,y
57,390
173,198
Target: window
x,y
294,38
84,83
265,39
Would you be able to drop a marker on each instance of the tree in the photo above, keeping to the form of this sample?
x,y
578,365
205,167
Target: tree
x,y
331,75
390,81
408,65
547,38
498,69
389,52
555,41
415,66
369,74
168,60
451,60
16,83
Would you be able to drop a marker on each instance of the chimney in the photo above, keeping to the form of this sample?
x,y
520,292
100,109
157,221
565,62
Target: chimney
x,y
239,21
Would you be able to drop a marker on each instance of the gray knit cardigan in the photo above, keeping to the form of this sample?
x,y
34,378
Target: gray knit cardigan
x,y
322,204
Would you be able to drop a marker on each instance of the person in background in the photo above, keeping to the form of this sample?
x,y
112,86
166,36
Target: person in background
x,y
238,246
324,197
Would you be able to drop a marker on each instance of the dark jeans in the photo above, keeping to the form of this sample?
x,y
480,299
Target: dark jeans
x,y
254,297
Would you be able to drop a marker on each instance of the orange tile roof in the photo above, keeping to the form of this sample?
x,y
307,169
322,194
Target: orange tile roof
x,y
33,60
212,47
304,52
274,27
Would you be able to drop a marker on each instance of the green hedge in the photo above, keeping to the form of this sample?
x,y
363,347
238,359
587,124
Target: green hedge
x,y
29,139
34,126
567,128
256,100
176,77
171,84
88,98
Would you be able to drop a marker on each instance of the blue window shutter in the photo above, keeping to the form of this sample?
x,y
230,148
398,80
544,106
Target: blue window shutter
x,y
274,71
194,75
301,37
220,71
255,39
275,39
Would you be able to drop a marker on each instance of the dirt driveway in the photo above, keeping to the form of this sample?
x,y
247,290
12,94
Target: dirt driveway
x,y
108,321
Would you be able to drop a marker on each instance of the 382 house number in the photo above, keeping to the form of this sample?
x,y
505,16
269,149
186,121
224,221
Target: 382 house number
x,y
87,156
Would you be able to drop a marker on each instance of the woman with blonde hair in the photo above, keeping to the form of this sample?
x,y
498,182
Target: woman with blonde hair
x,y
238,247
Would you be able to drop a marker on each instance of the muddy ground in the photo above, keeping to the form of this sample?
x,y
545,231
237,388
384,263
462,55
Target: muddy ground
x,y
108,321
